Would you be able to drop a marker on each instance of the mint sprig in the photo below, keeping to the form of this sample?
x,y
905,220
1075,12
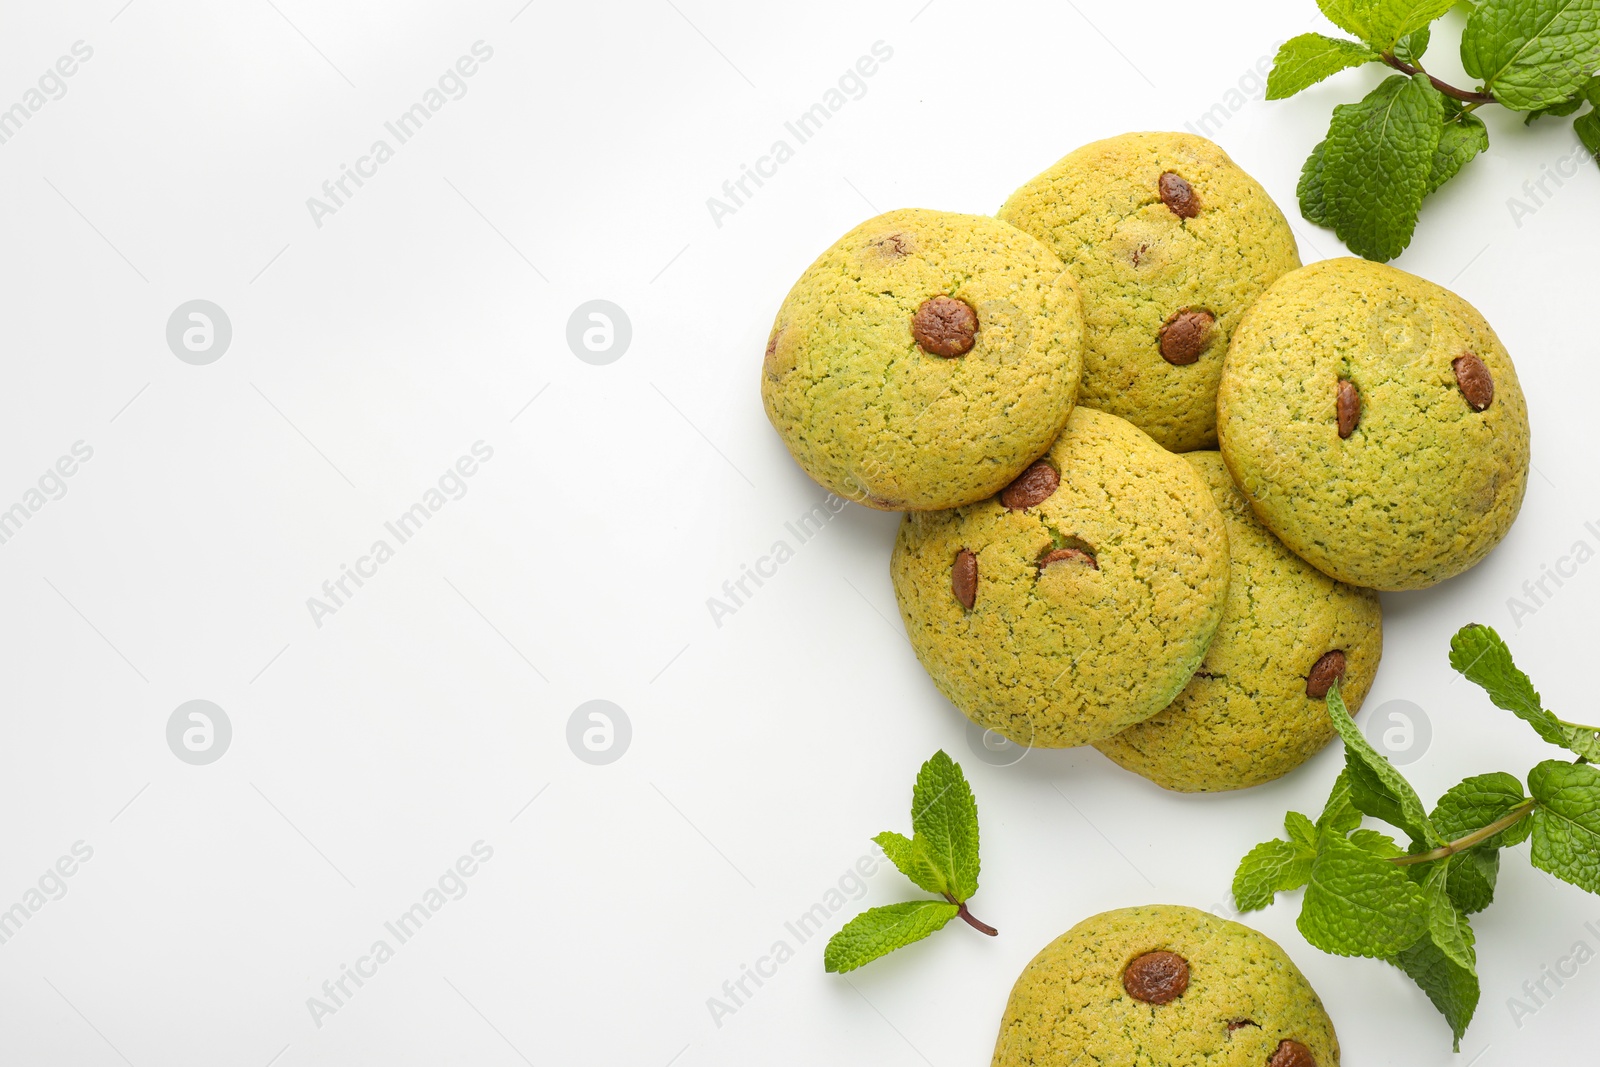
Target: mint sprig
x,y
1365,895
1413,133
941,857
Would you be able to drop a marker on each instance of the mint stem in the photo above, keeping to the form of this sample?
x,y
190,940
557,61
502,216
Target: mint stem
x,y
1464,95
971,920
1509,819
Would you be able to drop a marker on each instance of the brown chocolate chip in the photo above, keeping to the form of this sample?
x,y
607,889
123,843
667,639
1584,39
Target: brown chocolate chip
x,y
964,578
1058,555
1186,335
1179,196
1292,1054
893,245
1326,671
1476,383
1031,487
945,326
1349,405
1240,1024
1156,977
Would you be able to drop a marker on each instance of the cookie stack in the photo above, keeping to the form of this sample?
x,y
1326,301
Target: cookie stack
x,y
1153,469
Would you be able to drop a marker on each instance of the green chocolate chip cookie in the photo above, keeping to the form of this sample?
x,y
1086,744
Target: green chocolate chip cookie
x,y
1079,600
1375,422
924,360
1164,986
1254,711
1170,242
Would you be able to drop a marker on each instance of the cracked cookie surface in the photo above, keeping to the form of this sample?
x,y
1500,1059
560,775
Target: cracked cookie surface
x,y
924,360
1244,998
1162,231
1250,713
1426,482
1090,608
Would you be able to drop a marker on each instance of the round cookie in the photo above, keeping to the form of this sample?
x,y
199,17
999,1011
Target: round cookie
x,y
1170,242
1079,600
924,360
1254,710
1164,985
1375,422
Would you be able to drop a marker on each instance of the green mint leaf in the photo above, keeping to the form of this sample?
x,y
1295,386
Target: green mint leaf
x,y
1566,824
1309,58
912,861
1566,107
1301,830
1351,16
1463,137
1312,188
1532,53
1453,989
1473,874
1584,740
1376,788
1412,47
879,931
1395,20
1380,845
1479,655
1477,802
1359,905
944,817
1447,927
1339,815
1587,127
1270,868
1378,161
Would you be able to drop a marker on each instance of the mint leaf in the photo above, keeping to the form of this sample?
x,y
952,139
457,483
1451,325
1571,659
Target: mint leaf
x,y
1463,137
1473,874
912,862
1270,868
1359,905
1395,20
1587,127
1380,845
1532,53
944,817
1453,989
1566,107
1339,814
1479,655
1566,824
1477,802
1378,162
1351,16
1376,788
1309,58
1312,188
1584,740
1301,830
1411,47
1447,927
879,931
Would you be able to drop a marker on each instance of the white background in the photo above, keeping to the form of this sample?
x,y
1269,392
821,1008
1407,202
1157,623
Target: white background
x,y
372,351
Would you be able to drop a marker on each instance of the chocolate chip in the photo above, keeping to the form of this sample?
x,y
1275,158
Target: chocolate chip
x,y
1326,671
1058,555
964,578
1349,405
1031,487
945,326
1476,383
1292,1054
1156,977
1240,1024
1179,196
893,245
1185,335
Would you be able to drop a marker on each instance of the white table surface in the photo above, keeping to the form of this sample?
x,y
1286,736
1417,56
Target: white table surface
x,y
374,745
